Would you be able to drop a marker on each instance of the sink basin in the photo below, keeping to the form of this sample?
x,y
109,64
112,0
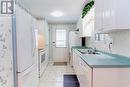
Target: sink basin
x,y
95,53
99,56
91,52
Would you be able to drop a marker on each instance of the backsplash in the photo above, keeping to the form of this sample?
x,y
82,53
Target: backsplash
x,y
120,44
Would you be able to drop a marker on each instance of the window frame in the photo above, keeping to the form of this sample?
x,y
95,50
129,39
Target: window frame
x,y
65,46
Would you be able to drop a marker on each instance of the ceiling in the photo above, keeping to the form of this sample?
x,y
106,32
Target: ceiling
x,y
43,8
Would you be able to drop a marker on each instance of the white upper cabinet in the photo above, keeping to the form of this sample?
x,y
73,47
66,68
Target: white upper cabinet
x,y
80,26
86,25
107,14
98,15
112,15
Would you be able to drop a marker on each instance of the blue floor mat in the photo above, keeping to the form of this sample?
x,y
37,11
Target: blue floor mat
x,y
70,81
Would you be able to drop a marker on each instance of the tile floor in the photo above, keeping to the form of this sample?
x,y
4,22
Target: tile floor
x,y
53,75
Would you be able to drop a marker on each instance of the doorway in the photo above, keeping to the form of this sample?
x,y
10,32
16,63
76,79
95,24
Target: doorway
x,y
59,50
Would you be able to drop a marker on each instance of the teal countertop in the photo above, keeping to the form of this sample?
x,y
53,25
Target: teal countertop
x,y
103,60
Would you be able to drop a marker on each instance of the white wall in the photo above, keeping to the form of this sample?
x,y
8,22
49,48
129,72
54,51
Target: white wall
x,y
6,55
121,43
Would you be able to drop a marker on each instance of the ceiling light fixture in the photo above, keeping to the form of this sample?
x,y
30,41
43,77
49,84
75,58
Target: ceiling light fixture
x,y
57,14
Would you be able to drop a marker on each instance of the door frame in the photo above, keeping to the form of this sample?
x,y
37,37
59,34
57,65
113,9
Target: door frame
x,y
51,43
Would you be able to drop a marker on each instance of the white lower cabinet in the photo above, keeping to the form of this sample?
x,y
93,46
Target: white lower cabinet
x,y
75,64
83,72
111,77
100,77
86,74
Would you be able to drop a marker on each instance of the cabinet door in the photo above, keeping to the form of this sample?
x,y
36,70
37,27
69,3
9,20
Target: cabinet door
x,y
88,29
88,23
77,67
111,77
87,75
81,74
75,63
80,26
79,70
83,71
98,15
107,14
74,60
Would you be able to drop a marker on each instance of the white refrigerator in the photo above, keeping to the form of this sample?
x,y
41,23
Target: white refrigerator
x,y
27,55
74,40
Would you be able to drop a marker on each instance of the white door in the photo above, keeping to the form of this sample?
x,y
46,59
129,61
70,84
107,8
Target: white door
x,y
59,44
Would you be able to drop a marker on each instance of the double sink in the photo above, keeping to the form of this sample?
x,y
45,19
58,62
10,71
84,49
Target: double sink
x,y
92,53
89,52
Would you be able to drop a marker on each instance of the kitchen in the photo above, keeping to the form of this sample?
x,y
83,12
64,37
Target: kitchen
x,y
83,43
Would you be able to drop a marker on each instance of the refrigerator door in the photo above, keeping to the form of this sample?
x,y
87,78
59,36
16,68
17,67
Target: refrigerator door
x,y
25,40
28,78
24,49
